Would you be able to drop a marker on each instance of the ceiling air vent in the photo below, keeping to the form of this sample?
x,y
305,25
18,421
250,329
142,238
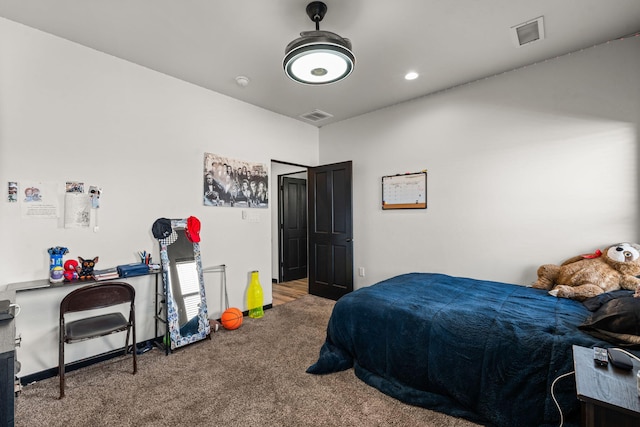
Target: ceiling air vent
x,y
528,32
316,116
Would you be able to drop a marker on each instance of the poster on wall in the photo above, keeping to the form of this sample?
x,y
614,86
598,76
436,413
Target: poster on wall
x,y
39,200
235,183
12,192
77,210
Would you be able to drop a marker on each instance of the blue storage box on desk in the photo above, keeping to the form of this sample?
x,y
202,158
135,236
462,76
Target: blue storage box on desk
x,y
131,270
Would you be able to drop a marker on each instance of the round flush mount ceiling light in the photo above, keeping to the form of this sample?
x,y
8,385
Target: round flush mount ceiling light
x,y
318,57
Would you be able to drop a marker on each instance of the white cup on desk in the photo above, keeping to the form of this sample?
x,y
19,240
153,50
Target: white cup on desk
x,y
16,308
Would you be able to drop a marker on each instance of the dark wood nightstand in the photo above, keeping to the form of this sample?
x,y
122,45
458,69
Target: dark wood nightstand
x,y
608,395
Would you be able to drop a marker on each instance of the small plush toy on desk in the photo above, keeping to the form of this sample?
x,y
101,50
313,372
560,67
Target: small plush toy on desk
x,y
86,268
56,275
70,270
55,263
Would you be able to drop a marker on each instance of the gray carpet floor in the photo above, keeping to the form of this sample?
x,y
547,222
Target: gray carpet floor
x,y
254,375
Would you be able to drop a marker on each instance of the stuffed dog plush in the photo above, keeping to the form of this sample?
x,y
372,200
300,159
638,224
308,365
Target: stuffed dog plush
x,y
586,276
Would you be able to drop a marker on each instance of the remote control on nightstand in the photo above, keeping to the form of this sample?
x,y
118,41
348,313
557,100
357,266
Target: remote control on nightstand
x,y
600,356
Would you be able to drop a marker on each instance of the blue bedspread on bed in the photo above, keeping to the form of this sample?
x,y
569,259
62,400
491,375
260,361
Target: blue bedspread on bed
x,y
480,350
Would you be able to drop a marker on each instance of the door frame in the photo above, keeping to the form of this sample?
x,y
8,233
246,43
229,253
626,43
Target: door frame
x,y
281,261
278,193
306,168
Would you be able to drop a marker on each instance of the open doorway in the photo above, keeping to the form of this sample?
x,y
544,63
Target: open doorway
x,y
293,227
289,231
328,243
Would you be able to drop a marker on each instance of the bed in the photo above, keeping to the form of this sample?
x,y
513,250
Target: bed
x,y
485,351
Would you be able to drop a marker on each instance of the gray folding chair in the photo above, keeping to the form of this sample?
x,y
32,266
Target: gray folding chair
x,y
98,295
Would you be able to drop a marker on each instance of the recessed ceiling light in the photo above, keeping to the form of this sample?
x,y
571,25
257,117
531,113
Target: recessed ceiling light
x,y
412,75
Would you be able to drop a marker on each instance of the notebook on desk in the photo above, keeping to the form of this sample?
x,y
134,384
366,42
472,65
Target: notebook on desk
x,y
131,270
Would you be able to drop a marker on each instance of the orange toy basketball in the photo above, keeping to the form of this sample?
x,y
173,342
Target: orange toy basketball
x,y
231,318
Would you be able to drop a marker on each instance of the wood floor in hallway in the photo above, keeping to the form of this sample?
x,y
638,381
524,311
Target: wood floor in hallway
x,y
288,291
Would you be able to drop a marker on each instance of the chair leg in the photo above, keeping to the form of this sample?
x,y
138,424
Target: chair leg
x,y
126,343
135,352
61,366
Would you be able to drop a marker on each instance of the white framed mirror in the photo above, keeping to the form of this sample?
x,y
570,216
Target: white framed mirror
x,y
183,280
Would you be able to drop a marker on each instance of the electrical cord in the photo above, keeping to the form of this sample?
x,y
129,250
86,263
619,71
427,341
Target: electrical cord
x,y
553,384
629,354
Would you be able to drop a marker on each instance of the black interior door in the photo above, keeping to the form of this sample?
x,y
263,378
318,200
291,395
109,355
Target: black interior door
x,y
294,229
330,230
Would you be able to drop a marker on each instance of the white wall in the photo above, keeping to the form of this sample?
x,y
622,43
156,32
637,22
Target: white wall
x,y
69,113
525,168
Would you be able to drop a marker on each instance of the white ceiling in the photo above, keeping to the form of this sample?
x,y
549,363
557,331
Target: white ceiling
x,y
210,42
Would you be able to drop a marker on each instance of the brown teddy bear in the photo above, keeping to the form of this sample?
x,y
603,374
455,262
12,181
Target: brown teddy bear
x,y
586,276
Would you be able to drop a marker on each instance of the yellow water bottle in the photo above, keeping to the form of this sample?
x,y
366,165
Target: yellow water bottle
x,y
254,297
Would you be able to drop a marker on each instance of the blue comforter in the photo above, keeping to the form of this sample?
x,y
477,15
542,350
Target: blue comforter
x,y
481,350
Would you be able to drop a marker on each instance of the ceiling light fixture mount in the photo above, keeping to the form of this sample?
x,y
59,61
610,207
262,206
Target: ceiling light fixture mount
x,y
242,81
318,57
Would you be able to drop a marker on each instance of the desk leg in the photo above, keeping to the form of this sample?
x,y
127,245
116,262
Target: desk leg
x,y
599,416
160,306
588,414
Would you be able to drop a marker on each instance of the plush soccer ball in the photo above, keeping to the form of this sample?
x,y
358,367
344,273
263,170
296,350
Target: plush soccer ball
x,y
586,276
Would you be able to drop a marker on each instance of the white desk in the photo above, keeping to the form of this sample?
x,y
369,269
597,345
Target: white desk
x,y
37,324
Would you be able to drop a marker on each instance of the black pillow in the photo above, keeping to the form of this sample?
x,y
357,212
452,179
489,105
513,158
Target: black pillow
x,y
596,302
616,318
